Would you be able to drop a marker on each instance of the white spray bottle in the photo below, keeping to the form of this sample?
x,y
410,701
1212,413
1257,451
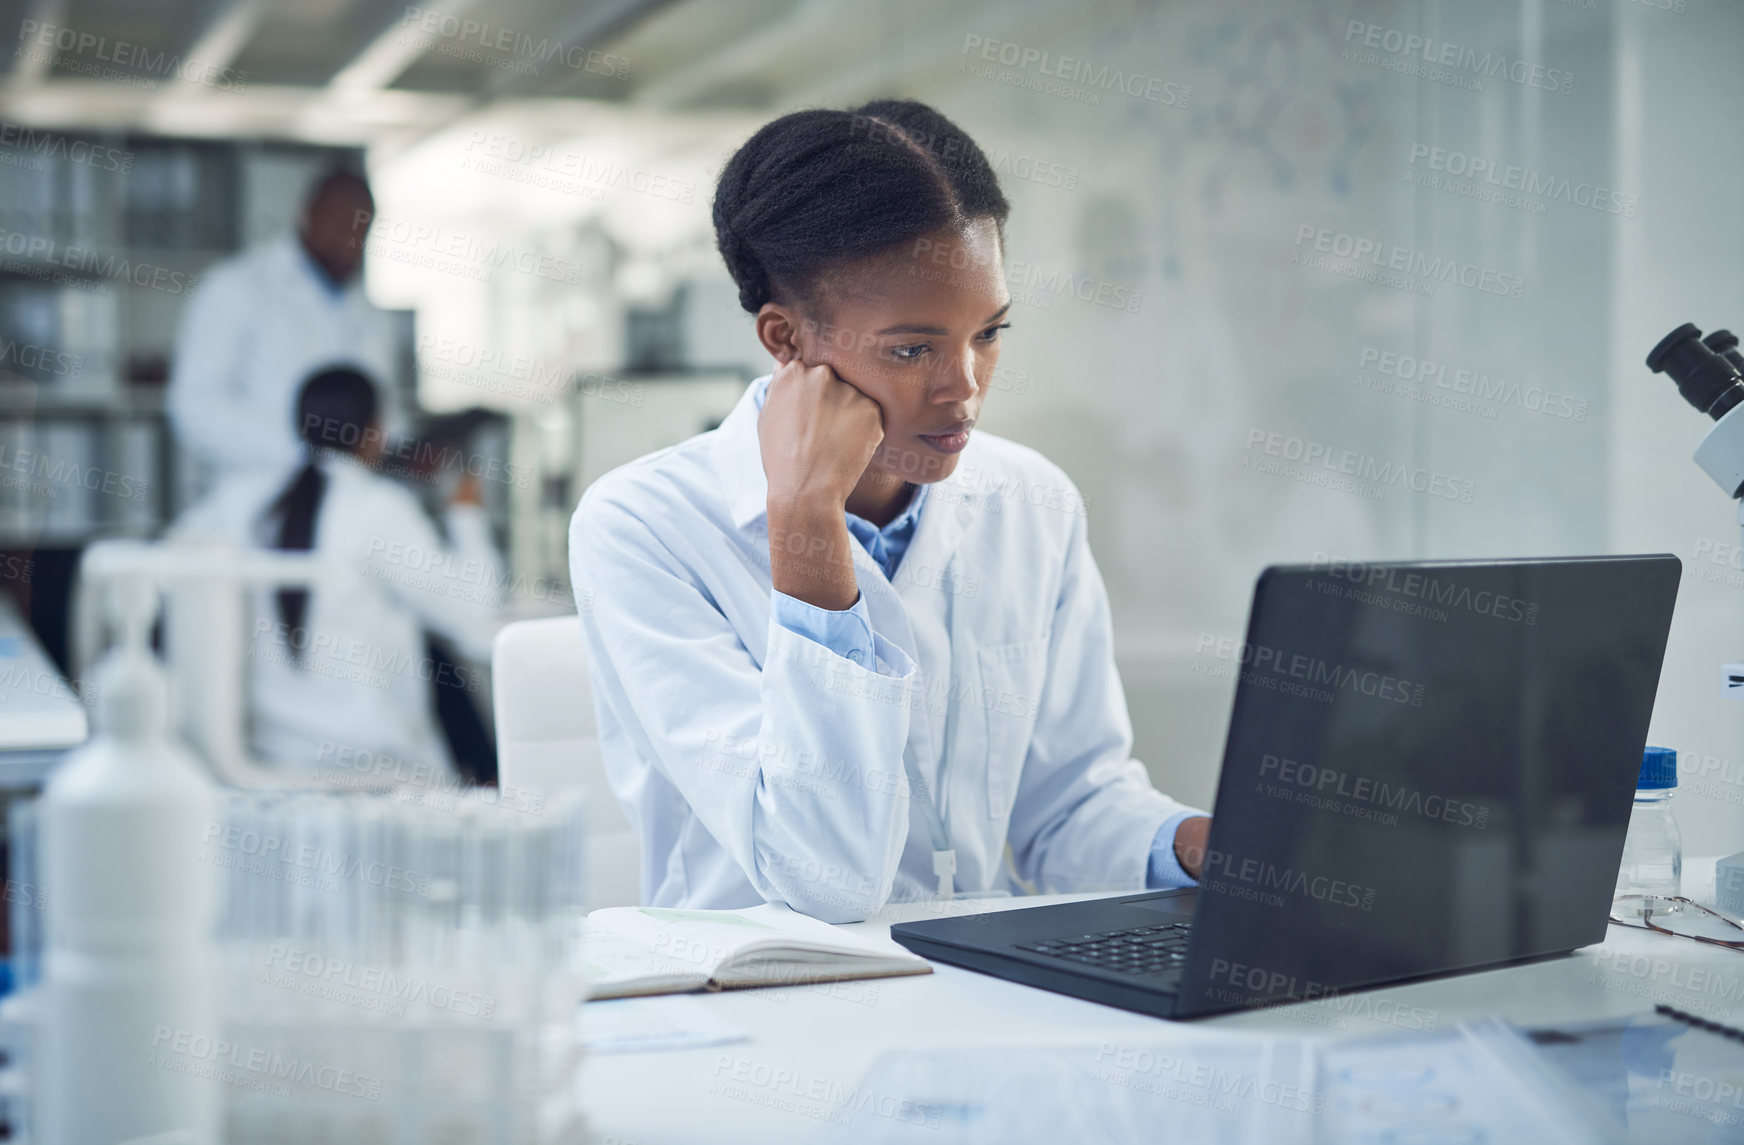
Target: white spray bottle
x,y
129,1045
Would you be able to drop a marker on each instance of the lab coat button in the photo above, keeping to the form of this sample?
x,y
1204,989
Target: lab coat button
x,y
857,656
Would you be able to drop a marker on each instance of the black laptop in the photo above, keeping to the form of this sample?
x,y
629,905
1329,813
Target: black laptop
x,y
1429,769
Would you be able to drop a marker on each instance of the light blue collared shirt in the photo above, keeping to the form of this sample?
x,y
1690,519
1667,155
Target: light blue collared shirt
x,y
1164,869
848,634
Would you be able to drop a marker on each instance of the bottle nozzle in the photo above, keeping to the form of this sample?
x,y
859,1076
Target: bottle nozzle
x,y
133,603
132,695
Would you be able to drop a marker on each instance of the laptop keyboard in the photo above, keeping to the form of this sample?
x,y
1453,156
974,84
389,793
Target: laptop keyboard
x,y
1140,950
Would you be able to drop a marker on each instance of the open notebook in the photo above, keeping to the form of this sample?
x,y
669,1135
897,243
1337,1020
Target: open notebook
x,y
633,950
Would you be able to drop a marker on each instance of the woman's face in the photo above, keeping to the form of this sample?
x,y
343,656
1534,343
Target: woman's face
x,y
917,330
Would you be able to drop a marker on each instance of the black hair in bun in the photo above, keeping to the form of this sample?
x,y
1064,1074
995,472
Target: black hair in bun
x,y
817,188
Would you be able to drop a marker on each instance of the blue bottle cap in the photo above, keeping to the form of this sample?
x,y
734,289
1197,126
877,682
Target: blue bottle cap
x,y
1658,769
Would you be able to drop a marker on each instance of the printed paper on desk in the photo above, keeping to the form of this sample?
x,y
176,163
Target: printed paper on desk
x,y
1203,1087
641,1025
1477,1082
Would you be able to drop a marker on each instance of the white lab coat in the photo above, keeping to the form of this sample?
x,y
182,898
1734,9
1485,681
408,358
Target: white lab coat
x,y
258,325
760,765
359,703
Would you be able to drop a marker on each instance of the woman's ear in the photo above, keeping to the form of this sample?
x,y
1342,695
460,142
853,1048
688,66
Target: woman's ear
x,y
778,330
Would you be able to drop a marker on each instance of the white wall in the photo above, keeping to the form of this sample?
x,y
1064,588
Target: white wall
x,y
1199,207
1195,206
1679,94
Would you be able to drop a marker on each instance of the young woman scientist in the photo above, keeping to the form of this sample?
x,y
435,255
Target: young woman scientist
x,y
845,649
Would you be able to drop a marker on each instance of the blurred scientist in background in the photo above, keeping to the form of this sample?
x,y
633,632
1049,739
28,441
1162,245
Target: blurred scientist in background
x,y
266,319
340,679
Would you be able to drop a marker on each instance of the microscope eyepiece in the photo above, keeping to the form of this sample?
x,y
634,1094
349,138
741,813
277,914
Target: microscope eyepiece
x,y
1706,374
1725,344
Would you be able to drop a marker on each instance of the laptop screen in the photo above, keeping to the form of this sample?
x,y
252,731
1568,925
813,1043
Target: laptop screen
x,y
1430,766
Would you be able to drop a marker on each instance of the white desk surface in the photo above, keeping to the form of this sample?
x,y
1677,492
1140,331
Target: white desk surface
x,y
830,1034
38,709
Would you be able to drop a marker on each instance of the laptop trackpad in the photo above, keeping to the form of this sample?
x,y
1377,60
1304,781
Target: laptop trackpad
x,y
1179,903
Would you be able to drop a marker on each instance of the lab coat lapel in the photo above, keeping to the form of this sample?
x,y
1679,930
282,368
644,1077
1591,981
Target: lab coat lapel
x,y
738,460
296,293
937,534
916,596
303,305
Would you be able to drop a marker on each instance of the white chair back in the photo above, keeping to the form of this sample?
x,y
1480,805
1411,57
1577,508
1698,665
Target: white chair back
x,y
547,741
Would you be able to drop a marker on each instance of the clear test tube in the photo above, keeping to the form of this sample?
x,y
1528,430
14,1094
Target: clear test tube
x,y
237,915
254,907
564,859
480,901
317,871
359,861
506,884
407,824
533,884
230,930
576,826
246,907
469,912
266,898
375,878
507,887
548,824
436,917
253,902
523,887
567,811
281,816
25,911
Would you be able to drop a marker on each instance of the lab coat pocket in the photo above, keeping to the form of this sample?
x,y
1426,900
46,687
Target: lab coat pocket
x,y
1009,698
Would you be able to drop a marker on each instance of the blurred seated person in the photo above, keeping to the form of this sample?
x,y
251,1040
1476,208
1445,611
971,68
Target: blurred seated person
x,y
340,681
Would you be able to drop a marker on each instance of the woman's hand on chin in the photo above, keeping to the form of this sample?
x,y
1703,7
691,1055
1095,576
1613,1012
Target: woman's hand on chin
x,y
817,434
